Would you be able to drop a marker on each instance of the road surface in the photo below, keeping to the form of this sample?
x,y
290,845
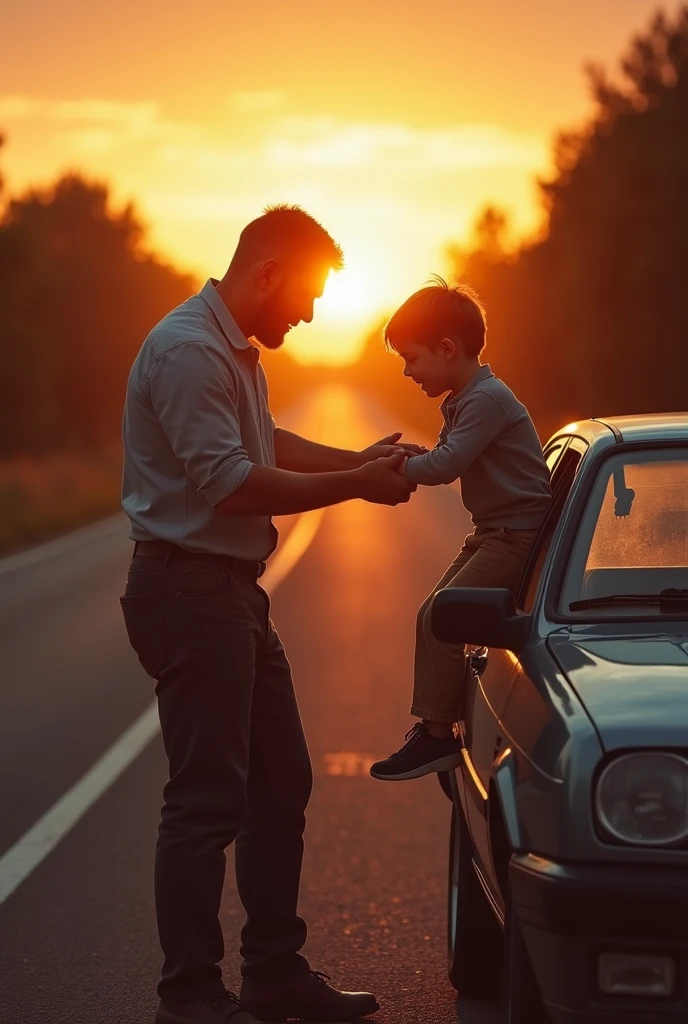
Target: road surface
x,y
78,943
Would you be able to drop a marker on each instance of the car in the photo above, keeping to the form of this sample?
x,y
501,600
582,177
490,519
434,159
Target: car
x,y
568,877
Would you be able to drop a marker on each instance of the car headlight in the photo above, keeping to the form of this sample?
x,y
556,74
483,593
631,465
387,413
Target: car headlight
x,y
643,798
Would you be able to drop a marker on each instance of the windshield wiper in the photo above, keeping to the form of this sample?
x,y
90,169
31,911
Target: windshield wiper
x,y
671,598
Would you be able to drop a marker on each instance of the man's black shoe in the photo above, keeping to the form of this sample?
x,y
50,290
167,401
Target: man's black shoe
x,y
307,998
222,1008
421,755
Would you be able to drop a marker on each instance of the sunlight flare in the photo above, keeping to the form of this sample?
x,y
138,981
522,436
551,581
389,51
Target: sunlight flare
x,y
348,295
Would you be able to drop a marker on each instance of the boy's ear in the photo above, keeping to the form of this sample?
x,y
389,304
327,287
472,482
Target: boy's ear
x,y
448,347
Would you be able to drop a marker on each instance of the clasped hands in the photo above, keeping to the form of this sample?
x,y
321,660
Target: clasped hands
x,y
391,444
383,470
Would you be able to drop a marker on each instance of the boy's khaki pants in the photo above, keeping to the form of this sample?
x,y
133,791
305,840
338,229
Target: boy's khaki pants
x,y
488,558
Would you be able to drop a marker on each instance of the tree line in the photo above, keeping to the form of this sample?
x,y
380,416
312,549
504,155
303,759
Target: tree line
x,y
593,314
78,293
588,318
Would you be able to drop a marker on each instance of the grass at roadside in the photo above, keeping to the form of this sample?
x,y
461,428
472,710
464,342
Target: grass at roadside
x,y
42,497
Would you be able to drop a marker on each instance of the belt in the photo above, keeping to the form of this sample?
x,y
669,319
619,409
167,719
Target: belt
x,y
169,552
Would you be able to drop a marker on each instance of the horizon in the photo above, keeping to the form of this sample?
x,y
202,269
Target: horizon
x,y
395,156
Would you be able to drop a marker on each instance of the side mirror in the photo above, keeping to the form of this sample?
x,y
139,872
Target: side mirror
x,y
482,616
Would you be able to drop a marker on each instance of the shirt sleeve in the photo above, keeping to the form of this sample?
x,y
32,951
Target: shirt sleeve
x,y
193,396
480,421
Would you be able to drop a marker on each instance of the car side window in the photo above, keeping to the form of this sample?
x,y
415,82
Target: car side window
x,y
553,451
565,469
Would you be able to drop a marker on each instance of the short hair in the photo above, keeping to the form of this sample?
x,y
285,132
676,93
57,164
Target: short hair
x,y
439,311
289,227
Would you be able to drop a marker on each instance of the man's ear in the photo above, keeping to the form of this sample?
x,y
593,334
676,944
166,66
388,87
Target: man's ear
x,y
269,274
448,347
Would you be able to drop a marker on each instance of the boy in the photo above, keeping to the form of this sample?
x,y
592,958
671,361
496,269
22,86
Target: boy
x,y
489,443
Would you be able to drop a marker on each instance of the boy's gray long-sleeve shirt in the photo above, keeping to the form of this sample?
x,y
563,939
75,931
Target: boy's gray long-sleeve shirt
x,y
489,442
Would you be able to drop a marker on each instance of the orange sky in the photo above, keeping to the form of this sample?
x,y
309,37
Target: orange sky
x,y
392,122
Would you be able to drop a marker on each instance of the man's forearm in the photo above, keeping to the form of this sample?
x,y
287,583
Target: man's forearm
x,y
300,455
278,492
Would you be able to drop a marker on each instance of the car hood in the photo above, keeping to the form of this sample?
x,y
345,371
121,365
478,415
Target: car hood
x,y
635,688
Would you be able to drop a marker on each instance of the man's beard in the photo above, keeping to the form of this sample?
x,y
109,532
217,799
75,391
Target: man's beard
x,y
270,330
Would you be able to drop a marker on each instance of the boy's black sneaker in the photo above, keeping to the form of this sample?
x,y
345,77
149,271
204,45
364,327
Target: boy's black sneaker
x,y
421,755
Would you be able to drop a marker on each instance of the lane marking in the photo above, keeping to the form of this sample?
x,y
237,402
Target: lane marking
x,y
35,845
294,548
348,762
21,859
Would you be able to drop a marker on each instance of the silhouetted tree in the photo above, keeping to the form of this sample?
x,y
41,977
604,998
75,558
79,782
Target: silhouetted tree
x,y
591,318
78,293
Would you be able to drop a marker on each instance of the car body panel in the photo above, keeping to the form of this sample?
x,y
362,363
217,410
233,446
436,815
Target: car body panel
x,y
539,724
635,687
662,426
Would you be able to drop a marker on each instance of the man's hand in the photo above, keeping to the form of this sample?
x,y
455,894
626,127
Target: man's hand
x,y
382,483
388,445
381,449
414,449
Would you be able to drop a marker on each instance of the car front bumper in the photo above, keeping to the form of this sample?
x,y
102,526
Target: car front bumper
x,y
570,914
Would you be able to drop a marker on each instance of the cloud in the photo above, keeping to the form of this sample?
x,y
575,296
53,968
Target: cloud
x,y
258,102
14,108
327,142
310,143
392,193
92,110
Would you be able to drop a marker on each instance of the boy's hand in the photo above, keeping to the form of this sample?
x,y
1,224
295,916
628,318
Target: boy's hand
x,y
381,481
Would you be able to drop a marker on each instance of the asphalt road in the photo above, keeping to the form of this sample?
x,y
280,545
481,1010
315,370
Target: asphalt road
x,y
78,943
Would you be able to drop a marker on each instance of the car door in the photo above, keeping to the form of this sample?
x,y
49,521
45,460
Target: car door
x,y
494,672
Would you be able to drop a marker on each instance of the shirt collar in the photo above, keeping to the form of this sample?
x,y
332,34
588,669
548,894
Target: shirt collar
x,y
483,373
228,324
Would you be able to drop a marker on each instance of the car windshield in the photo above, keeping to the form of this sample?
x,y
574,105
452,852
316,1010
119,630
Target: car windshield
x,y
630,556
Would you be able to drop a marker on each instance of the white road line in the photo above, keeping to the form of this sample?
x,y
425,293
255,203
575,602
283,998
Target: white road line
x,y
35,845
293,549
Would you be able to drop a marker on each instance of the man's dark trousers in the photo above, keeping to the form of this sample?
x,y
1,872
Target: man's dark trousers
x,y
238,765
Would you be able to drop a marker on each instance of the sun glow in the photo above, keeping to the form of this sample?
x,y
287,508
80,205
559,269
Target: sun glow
x,y
353,299
348,295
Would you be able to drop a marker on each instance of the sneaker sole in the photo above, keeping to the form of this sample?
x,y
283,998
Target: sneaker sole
x,y
444,764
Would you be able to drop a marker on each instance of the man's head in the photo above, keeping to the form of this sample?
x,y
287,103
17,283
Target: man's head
x,y
279,269
439,332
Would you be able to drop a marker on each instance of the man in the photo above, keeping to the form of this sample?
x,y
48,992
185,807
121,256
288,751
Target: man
x,y
205,469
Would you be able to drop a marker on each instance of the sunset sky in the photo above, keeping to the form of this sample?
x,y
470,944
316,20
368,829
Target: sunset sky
x,y
392,122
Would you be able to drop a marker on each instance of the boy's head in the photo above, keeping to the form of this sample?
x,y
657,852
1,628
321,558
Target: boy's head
x,y
439,332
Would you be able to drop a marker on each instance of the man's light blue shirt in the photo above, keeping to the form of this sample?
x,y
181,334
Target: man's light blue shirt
x,y
196,419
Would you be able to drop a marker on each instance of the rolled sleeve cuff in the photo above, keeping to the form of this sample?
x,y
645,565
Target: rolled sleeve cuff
x,y
229,480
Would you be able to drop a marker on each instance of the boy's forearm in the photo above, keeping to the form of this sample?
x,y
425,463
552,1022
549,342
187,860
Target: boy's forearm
x,y
300,455
278,492
439,466
481,421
